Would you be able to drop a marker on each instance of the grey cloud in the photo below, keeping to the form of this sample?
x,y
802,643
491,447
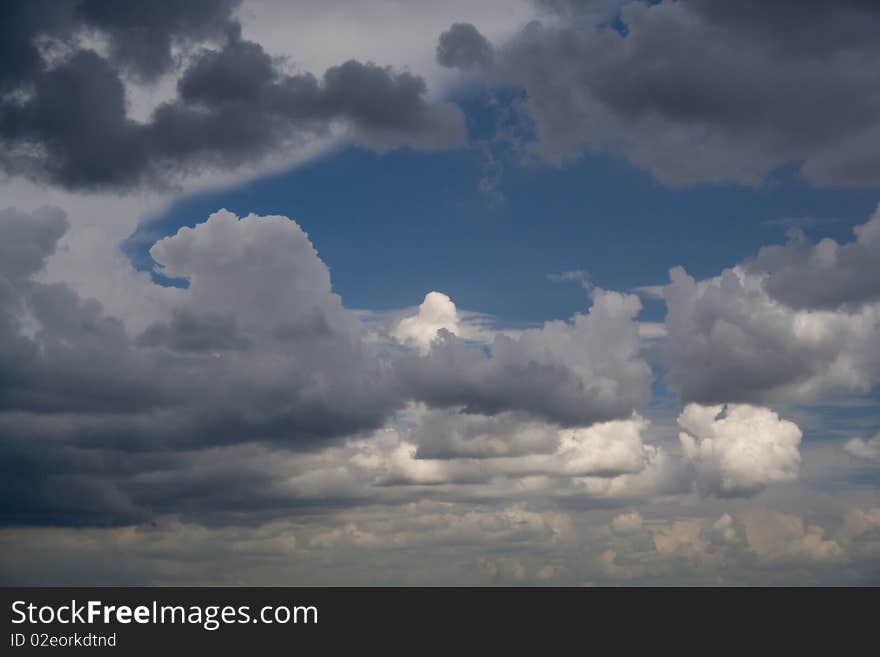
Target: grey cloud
x,y
771,86
462,46
577,373
141,34
796,323
28,239
73,381
445,435
259,361
824,275
190,332
20,23
729,341
234,104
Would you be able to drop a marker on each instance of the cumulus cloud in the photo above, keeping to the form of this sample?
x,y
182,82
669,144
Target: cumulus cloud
x,y
574,373
257,362
777,536
730,341
436,312
258,349
825,275
758,96
234,103
739,449
434,448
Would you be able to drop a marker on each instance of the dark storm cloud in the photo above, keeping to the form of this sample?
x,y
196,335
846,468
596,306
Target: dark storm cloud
x,y
462,46
82,403
141,33
706,91
77,358
68,123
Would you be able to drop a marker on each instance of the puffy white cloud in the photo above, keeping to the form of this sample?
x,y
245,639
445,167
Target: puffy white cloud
x,y
739,449
436,312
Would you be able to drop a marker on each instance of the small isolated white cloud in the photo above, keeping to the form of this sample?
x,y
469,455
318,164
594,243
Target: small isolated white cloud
x,y
739,449
579,276
436,312
864,449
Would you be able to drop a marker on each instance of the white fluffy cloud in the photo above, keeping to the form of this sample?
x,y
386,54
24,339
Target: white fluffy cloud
x,y
739,449
436,312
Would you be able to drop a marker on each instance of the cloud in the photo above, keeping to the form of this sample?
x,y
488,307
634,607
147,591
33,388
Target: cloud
x,y
772,87
739,449
574,373
234,104
627,523
255,370
141,38
258,349
864,449
436,312
776,536
447,434
579,276
462,46
825,275
29,239
730,341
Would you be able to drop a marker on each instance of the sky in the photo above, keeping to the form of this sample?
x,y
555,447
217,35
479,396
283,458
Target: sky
x,y
547,292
